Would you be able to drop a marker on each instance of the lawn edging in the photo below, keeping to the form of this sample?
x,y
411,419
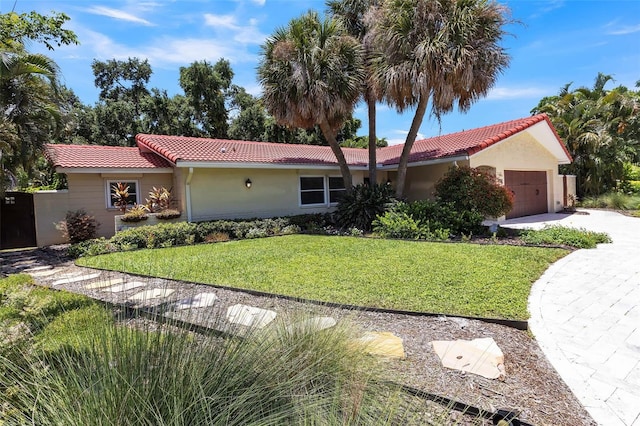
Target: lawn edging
x,y
517,324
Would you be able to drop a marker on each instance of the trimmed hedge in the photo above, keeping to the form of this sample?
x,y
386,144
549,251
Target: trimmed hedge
x,y
184,233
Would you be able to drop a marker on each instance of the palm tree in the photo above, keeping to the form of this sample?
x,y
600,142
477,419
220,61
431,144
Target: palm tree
x,y
311,74
28,91
355,15
445,52
600,130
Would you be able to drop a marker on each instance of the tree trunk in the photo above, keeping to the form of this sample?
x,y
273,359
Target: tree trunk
x,y
371,105
330,136
408,144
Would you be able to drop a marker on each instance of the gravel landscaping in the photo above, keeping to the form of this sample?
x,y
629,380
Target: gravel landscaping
x,y
531,386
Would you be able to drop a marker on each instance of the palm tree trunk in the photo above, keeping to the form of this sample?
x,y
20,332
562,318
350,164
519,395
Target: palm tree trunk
x,y
330,136
371,105
411,138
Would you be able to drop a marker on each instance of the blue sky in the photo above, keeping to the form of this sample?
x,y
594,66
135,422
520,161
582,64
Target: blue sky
x,y
556,42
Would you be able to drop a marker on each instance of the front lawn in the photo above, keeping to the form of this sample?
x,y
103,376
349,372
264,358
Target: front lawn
x,y
458,279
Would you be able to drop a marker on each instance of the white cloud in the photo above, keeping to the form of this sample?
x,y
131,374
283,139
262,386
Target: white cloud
x,y
225,21
118,14
402,137
244,34
259,2
502,93
622,30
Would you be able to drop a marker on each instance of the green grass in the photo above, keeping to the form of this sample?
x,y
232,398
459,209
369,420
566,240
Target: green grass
x,y
83,368
456,279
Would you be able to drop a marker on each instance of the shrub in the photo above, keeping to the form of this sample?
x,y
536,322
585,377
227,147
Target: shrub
x,y
437,215
135,214
159,199
560,235
360,207
398,224
79,226
471,189
120,194
168,214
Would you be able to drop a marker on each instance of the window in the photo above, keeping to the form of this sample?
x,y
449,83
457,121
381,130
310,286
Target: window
x,y
336,189
312,190
133,192
320,190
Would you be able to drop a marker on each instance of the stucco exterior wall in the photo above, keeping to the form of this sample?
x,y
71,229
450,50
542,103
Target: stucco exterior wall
x,y
522,152
421,180
50,208
222,194
88,191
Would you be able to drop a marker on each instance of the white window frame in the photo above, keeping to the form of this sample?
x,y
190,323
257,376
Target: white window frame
x,y
326,191
109,183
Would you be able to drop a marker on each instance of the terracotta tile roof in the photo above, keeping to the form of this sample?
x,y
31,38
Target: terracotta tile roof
x,y
466,142
189,149
176,149
102,157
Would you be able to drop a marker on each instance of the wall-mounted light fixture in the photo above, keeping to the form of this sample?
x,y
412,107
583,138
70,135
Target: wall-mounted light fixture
x,y
388,181
247,183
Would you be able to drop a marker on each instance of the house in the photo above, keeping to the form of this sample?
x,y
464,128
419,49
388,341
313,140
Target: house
x,y
213,178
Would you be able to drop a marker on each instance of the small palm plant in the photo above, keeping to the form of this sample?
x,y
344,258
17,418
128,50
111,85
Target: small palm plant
x,y
120,194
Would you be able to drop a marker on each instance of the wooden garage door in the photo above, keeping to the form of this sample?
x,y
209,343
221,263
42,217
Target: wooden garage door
x,y
529,192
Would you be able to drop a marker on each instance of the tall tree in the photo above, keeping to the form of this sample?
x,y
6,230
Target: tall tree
x,y
445,52
353,14
601,130
28,88
205,88
311,74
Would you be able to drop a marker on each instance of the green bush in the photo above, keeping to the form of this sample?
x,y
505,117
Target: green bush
x,y
360,207
79,226
470,189
613,200
560,235
438,215
398,224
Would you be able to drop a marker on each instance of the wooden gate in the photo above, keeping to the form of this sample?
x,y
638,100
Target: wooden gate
x,y
17,221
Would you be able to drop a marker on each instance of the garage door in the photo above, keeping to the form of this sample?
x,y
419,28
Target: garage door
x,y
529,192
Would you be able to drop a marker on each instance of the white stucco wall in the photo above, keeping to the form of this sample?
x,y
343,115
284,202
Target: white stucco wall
x,y
522,152
222,194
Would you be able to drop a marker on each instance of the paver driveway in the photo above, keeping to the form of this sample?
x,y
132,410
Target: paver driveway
x,y
585,314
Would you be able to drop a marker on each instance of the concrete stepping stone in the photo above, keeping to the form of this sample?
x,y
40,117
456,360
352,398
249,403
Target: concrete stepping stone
x,y
124,287
383,343
103,284
479,356
38,268
154,293
44,273
312,324
201,300
249,316
76,279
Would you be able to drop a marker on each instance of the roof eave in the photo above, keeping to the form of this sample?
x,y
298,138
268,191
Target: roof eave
x,y
114,170
253,165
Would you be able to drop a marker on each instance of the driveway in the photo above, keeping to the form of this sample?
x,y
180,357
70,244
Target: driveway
x,y
585,314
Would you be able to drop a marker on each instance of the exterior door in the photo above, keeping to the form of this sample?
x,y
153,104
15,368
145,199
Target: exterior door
x,y
18,226
529,192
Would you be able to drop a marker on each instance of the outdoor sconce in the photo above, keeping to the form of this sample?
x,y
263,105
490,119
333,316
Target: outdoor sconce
x,y
247,183
388,181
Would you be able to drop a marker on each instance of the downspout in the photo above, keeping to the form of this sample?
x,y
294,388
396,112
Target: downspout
x,y
188,193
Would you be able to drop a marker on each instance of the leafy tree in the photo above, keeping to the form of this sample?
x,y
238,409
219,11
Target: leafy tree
x,y
205,88
16,29
601,130
28,89
445,52
310,72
